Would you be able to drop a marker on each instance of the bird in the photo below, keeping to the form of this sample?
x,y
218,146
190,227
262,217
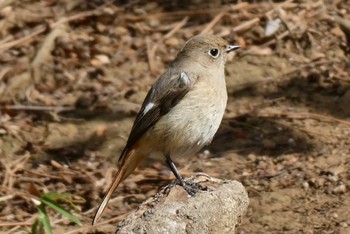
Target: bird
x,y
181,112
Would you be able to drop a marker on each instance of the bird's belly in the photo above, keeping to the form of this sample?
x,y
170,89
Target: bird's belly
x,y
191,124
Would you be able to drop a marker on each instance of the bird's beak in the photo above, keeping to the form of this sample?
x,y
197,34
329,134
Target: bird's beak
x,y
231,48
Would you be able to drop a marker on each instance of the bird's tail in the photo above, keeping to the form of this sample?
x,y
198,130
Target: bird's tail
x,y
128,165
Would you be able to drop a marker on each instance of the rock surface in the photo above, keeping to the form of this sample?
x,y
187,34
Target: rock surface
x,y
215,210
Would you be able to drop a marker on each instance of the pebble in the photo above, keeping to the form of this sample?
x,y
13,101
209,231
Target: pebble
x,y
172,42
306,185
154,23
100,60
206,152
320,181
120,31
333,178
291,141
252,157
340,189
343,224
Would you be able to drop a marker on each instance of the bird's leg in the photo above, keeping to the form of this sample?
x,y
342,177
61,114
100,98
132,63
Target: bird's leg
x,y
190,187
173,168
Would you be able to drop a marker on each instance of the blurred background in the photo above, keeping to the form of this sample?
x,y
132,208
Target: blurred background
x,y
73,74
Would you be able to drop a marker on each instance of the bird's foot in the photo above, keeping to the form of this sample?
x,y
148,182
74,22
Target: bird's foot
x,y
191,187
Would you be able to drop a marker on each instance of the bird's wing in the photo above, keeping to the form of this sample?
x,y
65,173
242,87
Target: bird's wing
x,y
163,96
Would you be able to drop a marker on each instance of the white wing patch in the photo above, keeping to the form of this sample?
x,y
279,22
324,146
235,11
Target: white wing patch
x,y
148,107
184,79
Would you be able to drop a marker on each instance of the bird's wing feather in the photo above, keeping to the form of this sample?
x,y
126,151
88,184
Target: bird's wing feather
x,y
163,96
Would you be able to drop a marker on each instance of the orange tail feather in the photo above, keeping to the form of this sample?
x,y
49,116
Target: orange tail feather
x,y
128,165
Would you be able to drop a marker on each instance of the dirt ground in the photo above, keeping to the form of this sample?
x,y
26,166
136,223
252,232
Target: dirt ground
x,y
74,73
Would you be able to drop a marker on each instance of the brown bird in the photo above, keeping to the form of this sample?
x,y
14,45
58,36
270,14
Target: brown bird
x,y
181,112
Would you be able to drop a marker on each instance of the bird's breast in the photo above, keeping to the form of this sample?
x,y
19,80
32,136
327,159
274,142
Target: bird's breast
x,y
192,123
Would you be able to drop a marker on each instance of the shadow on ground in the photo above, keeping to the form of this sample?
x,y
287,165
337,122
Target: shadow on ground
x,y
244,134
250,134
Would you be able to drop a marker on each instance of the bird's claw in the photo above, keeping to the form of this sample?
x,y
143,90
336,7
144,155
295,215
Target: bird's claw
x,y
191,187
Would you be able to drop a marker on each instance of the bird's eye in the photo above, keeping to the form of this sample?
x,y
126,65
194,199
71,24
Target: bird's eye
x,y
214,53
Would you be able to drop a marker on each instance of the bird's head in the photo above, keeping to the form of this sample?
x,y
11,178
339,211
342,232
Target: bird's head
x,y
209,51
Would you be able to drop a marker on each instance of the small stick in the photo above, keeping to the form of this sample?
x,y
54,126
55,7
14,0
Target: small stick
x,y
216,19
305,130
185,13
6,39
83,229
301,115
269,176
22,40
117,218
7,197
246,25
176,28
28,222
11,169
279,37
37,108
151,50
41,174
42,28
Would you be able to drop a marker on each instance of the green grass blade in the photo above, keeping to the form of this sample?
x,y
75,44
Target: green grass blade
x,y
35,227
63,196
54,205
44,219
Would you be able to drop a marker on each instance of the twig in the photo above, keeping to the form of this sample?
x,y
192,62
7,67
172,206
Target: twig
x,y
305,130
7,197
22,40
5,3
167,15
176,28
269,176
290,28
83,229
284,114
289,115
117,218
246,25
284,75
28,222
6,39
216,19
44,52
302,67
12,168
4,72
281,36
42,28
40,174
151,50
341,79
37,108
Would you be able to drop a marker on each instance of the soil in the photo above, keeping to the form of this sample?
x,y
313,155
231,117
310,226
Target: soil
x,y
73,75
